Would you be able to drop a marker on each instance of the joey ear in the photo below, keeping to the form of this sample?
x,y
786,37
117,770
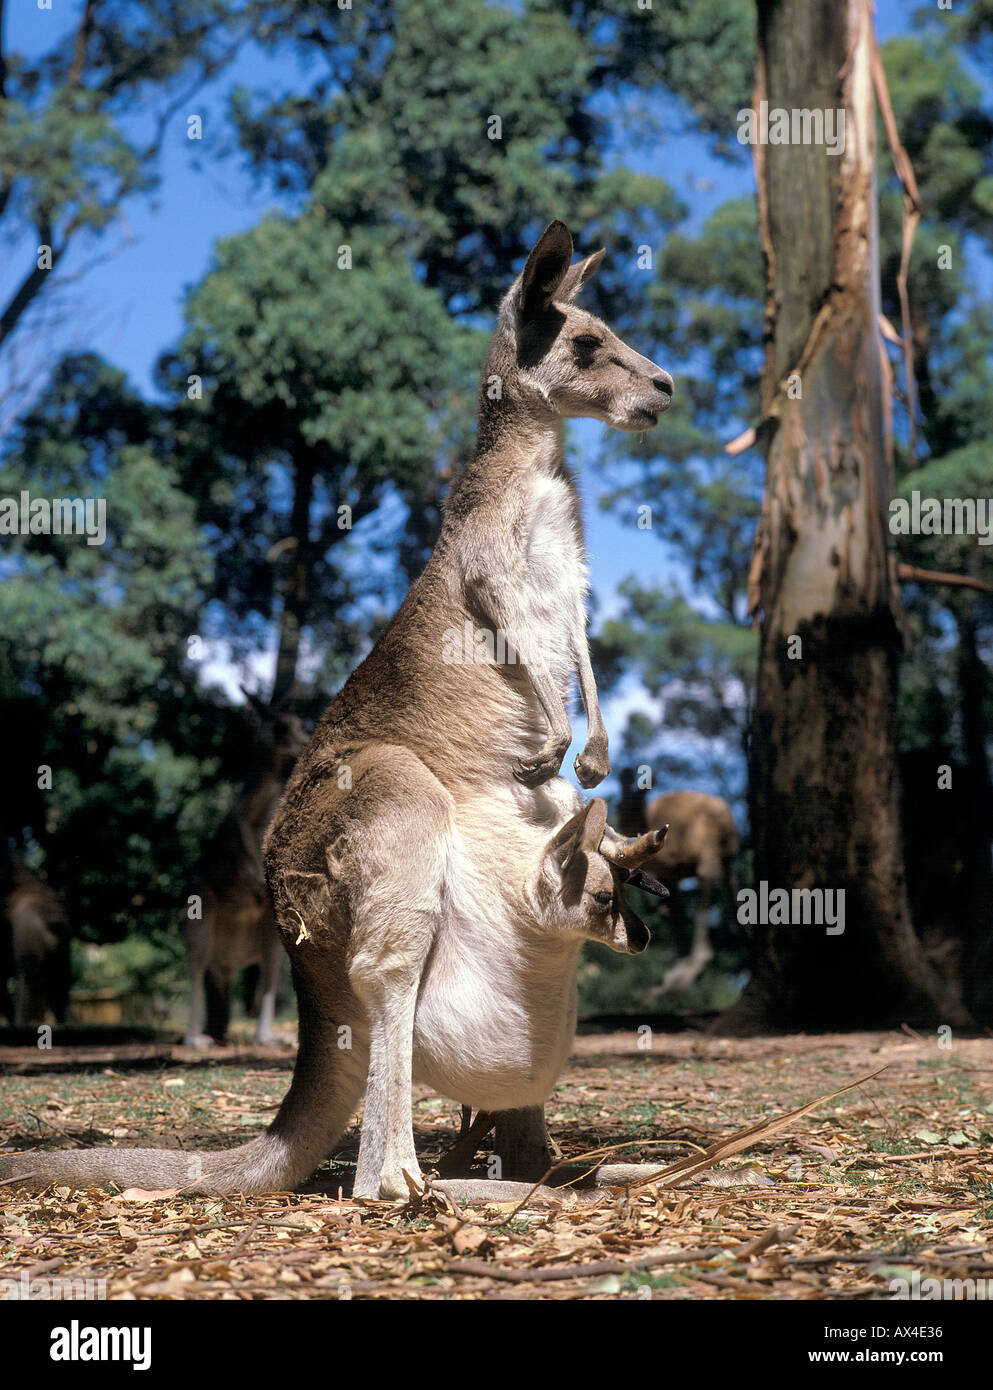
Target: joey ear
x,y
594,825
577,275
564,843
545,269
582,832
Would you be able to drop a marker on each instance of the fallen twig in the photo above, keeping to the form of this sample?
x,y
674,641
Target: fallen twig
x,y
744,1139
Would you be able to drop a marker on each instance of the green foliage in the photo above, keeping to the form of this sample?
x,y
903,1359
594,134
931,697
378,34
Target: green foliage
x,y
964,473
92,660
690,645
311,370
350,359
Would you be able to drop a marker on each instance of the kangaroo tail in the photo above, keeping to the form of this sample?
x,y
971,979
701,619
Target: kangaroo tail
x,y
270,1163
327,1085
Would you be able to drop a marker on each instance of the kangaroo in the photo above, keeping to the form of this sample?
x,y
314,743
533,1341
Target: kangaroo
x,y
236,929
702,843
432,878
34,947
495,1012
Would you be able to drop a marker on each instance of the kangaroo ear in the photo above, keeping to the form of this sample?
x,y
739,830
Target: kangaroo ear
x,y
545,269
577,275
581,833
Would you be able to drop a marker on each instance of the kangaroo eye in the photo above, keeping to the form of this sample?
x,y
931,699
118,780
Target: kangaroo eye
x,y
587,340
604,899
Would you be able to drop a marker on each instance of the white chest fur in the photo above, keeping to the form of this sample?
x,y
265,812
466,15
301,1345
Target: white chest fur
x,y
555,578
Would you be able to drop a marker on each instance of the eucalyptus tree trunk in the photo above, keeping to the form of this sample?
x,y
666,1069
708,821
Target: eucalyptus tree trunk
x,y
825,795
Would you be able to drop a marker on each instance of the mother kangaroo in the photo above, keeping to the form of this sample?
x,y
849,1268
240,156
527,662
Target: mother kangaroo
x,y
431,876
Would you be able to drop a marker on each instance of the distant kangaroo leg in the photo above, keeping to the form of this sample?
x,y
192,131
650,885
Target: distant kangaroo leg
x,y
199,946
269,981
686,971
34,943
217,991
195,1036
28,1006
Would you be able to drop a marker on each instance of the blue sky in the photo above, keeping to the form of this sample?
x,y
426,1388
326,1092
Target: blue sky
x,y
128,306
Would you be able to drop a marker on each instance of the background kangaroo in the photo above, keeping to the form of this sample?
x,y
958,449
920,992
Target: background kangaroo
x,y
413,859
236,929
34,947
702,843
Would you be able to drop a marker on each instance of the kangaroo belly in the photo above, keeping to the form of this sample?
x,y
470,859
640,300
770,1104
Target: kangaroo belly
x,y
496,1006
477,1048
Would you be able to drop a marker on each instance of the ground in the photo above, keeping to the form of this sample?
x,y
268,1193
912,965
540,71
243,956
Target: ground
x,y
892,1178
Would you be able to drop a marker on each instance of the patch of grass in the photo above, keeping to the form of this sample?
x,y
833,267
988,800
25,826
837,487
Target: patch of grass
x,y
640,1279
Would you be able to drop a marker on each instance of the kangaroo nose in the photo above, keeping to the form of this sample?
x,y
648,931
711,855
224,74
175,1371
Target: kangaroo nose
x,y
663,382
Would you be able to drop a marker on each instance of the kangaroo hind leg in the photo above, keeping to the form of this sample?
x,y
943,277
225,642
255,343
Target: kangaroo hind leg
x,y
394,854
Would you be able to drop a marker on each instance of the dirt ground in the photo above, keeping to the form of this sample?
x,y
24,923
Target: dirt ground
x,y
892,1179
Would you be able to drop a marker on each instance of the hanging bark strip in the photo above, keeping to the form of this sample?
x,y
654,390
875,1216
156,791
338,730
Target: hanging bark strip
x,y
911,218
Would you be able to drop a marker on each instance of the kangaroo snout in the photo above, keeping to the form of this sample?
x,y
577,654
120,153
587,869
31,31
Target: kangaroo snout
x,y
653,397
665,386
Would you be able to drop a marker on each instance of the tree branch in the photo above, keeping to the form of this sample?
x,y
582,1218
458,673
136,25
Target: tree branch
x,y
28,287
913,574
3,57
79,45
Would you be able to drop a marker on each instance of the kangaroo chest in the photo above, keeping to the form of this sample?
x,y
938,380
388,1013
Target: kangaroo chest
x,y
554,575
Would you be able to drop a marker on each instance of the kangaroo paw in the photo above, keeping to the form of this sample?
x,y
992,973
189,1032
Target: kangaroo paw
x,y
592,765
543,766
